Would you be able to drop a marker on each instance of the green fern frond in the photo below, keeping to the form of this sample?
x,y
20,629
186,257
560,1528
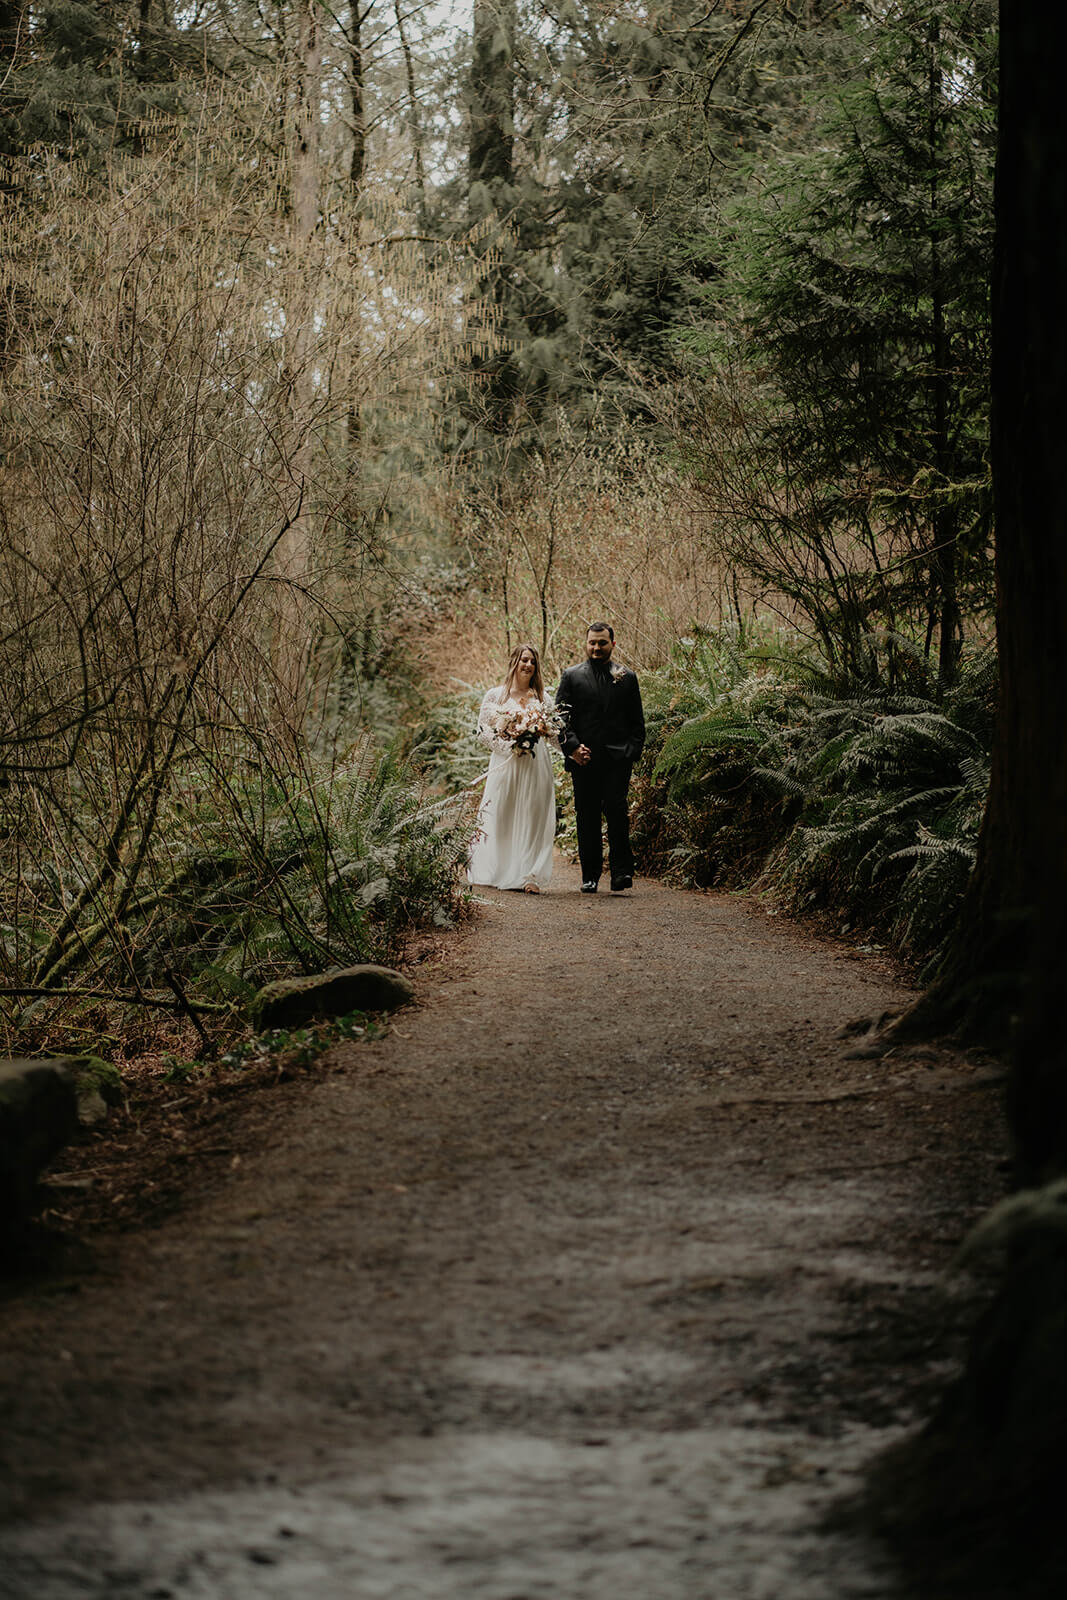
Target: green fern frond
x,y
929,849
701,736
778,782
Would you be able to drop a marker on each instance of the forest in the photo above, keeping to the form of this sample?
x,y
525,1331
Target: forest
x,y
344,346
341,351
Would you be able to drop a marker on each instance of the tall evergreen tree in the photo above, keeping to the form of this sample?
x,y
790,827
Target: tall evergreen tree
x,y
853,290
1005,972
86,73
598,144
491,199
12,30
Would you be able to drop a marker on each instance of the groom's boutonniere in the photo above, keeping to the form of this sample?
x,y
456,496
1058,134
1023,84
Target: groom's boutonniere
x,y
617,672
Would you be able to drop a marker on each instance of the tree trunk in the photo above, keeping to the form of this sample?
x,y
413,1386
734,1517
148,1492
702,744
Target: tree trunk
x,y
294,554
413,119
944,602
13,23
1004,976
357,177
491,177
1021,883
150,62
492,95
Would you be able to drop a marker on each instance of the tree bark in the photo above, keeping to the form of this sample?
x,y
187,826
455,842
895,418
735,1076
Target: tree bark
x,y
13,23
491,173
492,95
294,556
1021,882
13,26
413,119
357,177
1003,980
945,608
153,18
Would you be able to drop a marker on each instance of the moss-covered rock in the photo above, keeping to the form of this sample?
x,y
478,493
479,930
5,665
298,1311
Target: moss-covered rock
x,y
38,1115
98,1085
292,1002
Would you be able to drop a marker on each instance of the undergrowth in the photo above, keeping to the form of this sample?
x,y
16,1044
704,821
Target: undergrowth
x,y
253,871
861,802
856,802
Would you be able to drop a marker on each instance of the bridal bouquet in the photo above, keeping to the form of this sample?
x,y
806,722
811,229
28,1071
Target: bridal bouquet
x,y
523,728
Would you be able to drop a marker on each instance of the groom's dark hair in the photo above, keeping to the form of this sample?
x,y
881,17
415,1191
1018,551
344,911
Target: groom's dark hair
x,y
601,627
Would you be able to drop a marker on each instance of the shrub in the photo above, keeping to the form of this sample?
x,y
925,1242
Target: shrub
x,y
700,816
257,869
863,803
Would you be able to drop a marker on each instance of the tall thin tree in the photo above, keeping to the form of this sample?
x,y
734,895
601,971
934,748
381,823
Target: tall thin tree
x,y
1004,976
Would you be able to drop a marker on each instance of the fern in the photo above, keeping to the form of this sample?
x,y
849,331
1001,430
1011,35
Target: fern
x,y
284,870
685,754
445,749
866,802
902,786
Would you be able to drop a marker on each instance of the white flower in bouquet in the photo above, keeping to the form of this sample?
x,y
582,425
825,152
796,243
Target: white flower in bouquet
x,y
525,726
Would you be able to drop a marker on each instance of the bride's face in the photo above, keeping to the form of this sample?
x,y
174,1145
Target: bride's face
x,y
525,670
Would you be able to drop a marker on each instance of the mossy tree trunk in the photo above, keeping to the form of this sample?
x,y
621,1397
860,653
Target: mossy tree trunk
x,y
292,632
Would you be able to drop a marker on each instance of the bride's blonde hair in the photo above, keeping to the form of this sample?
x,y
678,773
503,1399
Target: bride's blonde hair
x,y
537,683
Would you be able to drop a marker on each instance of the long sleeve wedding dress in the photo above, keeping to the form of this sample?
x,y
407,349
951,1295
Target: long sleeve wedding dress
x,y
512,845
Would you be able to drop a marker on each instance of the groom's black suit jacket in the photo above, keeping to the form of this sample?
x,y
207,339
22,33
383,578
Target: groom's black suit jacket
x,y
603,712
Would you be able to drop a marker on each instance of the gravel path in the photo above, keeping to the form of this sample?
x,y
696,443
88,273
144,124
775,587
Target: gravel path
x,y
601,1276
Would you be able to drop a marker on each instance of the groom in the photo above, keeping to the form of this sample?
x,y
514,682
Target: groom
x,y
605,734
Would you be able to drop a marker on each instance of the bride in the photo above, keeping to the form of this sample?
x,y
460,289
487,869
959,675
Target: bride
x,y
512,846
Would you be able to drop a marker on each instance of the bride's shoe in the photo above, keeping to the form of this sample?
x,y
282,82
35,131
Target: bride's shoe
x,y
531,888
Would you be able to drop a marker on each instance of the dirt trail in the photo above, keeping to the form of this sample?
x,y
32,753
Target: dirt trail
x,y
601,1275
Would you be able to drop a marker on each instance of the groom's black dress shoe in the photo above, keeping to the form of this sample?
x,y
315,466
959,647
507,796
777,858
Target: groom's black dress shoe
x,y
621,883
589,886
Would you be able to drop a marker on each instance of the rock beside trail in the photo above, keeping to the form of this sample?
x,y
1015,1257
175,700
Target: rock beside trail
x,y
98,1085
292,1002
38,1115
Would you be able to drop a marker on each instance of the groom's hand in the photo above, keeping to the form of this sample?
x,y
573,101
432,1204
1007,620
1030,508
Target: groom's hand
x,y
581,757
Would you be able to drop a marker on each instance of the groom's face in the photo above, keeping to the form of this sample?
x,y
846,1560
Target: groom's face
x,y
598,646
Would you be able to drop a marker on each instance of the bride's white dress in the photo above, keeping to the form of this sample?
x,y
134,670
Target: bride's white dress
x,y
517,818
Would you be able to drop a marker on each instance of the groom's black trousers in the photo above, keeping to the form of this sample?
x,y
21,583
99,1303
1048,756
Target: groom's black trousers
x,y
601,790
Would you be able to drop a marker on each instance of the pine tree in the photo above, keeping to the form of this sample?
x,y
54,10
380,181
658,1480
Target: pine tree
x,y
83,75
1003,978
599,143
853,291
